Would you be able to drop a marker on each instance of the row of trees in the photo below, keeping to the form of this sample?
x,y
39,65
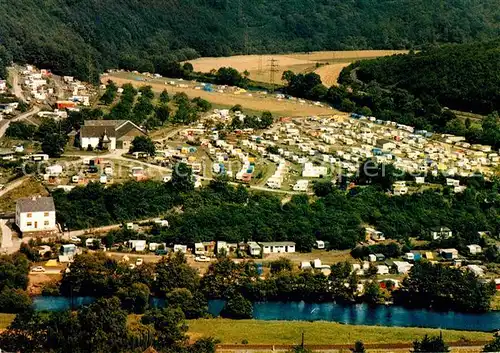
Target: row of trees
x,y
101,327
224,212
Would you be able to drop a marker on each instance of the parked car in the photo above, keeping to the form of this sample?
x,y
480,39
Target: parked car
x,y
75,239
38,269
139,262
202,259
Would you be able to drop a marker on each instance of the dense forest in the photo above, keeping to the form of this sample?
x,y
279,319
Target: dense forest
x,y
81,37
463,77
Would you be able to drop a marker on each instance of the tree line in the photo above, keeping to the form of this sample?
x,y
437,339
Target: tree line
x,y
82,41
221,211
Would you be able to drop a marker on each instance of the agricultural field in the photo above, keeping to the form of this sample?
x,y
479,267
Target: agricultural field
x,y
319,332
252,101
327,64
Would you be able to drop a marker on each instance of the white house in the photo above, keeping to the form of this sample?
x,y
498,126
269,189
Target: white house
x,y
475,269
110,134
441,233
35,214
137,245
277,247
320,244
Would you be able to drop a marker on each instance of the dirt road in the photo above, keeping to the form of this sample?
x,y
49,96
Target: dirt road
x,y
24,116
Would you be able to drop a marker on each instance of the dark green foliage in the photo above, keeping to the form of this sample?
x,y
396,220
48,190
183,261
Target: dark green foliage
x,y
282,264
20,130
359,347
135,298
182,178
143,144
53,144
174,272
14,300
110,94
73,38
432,344
237,307
14,271
322,188
304,85
164,98
451,288
253,122
169,324
494,345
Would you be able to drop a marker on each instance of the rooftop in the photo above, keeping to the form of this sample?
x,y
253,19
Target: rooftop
x,y
36,204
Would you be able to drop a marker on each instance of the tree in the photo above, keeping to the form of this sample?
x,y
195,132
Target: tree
x,y
359,347
20,130
143,144
282,264
14,300
162,113
169,324
164,98
53,144
182,177
432,344
322,188
174,272
135,298
236,108
103,326
493,346
237,307
373,295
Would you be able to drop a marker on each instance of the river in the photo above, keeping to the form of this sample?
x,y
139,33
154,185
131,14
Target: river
x,y
357,314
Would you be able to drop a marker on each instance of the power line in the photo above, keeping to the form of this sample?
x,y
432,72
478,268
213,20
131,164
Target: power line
x,y
273,68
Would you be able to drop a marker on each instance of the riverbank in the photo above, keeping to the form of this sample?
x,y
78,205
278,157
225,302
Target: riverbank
x,y
258,332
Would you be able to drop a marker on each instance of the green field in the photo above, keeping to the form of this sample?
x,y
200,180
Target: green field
x,y
320,332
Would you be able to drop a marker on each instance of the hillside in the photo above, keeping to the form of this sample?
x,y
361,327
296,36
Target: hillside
x,y
78,36
463,77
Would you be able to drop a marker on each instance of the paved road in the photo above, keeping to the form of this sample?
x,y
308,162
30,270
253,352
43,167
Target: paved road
x,y
16,87
9,244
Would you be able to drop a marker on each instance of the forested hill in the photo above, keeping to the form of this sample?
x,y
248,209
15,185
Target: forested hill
x,y
463,77
78,36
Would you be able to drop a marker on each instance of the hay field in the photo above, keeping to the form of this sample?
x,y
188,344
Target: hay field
x,y
259,65
318,332
254,102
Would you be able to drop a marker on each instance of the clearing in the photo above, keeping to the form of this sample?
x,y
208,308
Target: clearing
x,y
319,332
30,187
332,62
253,101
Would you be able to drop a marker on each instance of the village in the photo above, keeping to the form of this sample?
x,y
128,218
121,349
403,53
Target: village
x,y
288,157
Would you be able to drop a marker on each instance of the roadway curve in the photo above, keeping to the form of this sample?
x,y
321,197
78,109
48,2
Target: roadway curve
x,y
4,124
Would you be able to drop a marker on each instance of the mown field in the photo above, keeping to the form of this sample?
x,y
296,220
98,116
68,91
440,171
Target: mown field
x,y
327,64
319,332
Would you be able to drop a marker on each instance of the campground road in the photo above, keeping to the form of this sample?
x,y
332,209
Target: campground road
x,y
4,124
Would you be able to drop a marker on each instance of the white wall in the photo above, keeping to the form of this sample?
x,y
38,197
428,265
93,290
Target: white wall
x,y
94,142
37,222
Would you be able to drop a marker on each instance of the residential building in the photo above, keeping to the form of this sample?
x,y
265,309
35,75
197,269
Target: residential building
x,y
440,233
382,270
277,247
35,214
110,134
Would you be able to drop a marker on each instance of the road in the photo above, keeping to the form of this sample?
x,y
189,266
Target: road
x,y
11,186
4,124
16,87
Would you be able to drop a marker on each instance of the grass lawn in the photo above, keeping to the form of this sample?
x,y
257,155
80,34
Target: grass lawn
x,y
320,332
5,320
27,188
